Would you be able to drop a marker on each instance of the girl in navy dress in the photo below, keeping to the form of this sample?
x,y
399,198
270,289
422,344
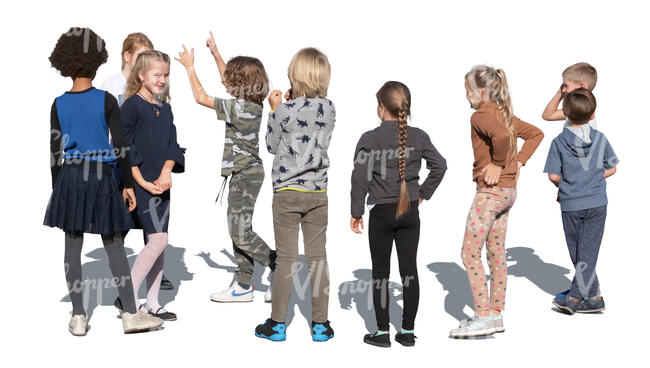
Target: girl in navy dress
x,y
149,129
85,197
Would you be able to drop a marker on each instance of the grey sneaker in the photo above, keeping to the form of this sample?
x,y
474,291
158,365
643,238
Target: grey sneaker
x,y
139,321
497,322
474,327
591,305
78,325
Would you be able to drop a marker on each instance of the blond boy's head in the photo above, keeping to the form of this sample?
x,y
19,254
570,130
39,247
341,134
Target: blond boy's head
x,y
580,75
309,73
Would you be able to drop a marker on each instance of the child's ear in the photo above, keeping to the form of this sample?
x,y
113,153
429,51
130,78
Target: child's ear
x,y
582,85
593,116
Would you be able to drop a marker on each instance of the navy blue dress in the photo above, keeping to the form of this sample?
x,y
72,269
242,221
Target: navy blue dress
x,y
150,131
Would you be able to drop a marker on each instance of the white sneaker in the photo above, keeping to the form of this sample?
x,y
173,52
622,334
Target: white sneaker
x,y
497,322
139,321
476,326
234,293
268,296
78,325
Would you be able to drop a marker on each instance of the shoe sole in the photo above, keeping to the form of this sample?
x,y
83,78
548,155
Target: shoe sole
x,y
167,288
231,300
408,344
378,344
274,339
489,332
322,339
591,310
140,329
500,330
77,333
564,308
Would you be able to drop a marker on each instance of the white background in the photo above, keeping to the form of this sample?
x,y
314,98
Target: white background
x,y
429,48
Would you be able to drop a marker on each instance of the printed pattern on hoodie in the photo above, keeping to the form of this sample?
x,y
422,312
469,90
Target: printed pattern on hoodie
x,y
241,144
298,134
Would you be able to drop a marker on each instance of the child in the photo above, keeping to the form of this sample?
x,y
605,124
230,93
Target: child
x,y
496,169
149,130
580,75
246,80
578,162
387,165
298,134
133,45
85,198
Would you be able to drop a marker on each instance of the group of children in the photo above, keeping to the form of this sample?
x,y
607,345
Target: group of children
x,y
113,154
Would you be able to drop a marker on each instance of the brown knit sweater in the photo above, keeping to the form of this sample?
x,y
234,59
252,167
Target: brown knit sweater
x,y
491,143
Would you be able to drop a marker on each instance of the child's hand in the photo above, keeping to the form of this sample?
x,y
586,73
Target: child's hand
x,y
186,58
420,201
519,165
164,181
275,98
129,198
491,174
355,222
152,188
288,95
211,44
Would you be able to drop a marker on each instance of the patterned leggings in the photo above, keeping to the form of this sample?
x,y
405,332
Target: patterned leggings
x,y
487,223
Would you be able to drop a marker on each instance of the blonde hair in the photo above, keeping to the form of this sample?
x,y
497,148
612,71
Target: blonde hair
x,y
581,73
495,85
395,97
309,73
133,42
142,64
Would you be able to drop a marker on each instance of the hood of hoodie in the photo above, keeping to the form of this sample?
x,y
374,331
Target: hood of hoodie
x,y
575,144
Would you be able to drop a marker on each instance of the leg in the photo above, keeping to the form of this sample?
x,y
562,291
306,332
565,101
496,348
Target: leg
x,y
588,249
153,282
503,200
381,235
72,262
573,229
314,227
120,269
145,261
407,237
286,219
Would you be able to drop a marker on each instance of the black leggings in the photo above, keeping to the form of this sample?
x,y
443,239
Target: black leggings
x,y
116,260
383,228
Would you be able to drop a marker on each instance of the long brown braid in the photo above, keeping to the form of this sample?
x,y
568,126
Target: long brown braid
x,y
395,97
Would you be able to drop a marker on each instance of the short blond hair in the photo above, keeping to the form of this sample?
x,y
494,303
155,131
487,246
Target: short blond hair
x,y
309,73
581,73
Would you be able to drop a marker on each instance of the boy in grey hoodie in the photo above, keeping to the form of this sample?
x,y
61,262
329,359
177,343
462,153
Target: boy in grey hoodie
x,y
579,167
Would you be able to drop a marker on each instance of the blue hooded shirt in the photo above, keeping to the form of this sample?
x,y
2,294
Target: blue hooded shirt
x,y
582,168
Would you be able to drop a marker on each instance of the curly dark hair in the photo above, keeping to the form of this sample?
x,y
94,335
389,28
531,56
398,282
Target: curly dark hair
x,y
79,53
246,78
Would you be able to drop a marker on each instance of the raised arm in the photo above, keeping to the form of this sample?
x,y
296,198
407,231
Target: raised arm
x,y
221,65
187,59
552,111
274,127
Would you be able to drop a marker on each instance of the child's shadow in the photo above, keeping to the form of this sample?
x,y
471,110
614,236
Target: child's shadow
x,y
359,291
301,279
546,276
454,280
98,281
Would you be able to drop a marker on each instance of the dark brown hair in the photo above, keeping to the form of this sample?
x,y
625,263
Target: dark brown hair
x,y
78,53
579,105
395,97
246,78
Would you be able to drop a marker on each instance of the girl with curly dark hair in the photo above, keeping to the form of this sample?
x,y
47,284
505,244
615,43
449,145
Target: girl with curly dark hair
x,y
85,196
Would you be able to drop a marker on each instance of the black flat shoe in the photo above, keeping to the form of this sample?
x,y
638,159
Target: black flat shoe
x,y
166,284
383,340
407,339
164,315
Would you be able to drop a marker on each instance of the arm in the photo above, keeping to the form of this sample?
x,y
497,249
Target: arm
x,y
120,147
221,65
553,166
56,151
532,137
187,59
175,153
361,176
437,166
273,127
555,179
610,172
610,160
552,112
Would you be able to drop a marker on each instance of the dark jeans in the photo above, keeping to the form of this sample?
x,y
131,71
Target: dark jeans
x,y
383,228
584,231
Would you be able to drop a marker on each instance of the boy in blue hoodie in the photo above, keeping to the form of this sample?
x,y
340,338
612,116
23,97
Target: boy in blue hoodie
x,y
579,160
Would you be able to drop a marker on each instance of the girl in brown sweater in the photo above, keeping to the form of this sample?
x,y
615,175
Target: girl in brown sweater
x,y
496,169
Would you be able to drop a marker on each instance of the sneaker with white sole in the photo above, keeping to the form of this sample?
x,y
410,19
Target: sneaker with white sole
x,y
78,325
139,322
497,322
474,327
234,293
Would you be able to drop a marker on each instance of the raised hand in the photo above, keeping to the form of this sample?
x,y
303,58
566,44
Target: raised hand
x,y
275,98
186,57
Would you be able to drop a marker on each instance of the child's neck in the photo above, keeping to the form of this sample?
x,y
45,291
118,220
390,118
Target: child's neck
x,y
81,84
146,94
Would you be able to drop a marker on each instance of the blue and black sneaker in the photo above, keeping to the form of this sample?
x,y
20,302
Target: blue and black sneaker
x,y
321,331
274,331
568,304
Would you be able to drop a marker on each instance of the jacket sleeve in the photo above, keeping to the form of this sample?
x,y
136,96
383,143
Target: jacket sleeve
x,y
610,159
531,135
274,128
361,176
129,117
120,147
437,166
553,160
488,126
56,151
174,151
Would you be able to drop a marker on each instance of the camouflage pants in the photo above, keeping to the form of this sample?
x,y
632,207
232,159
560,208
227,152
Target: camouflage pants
x,y
248,247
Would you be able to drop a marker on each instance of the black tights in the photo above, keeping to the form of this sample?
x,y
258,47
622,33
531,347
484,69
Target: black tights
x,y
117,262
